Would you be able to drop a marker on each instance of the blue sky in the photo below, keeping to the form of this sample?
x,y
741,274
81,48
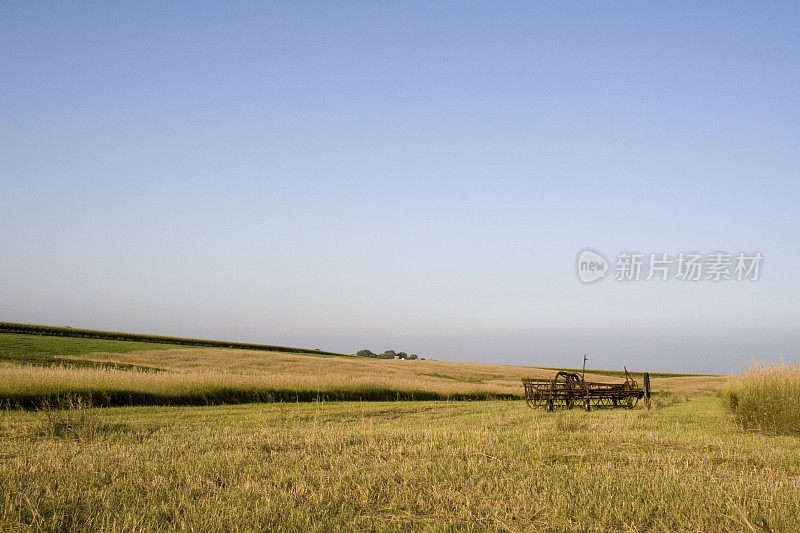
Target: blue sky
x,y
416,176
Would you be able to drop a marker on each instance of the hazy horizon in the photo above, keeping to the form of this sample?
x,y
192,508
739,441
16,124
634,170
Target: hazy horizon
x,y
409,177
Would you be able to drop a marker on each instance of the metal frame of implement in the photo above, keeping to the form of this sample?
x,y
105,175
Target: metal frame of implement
x,y
569,389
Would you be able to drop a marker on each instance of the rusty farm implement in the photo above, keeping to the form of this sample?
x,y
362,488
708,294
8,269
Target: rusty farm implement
x,y
570,389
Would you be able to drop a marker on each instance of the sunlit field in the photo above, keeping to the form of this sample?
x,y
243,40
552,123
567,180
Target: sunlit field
x,y
344,466
143,374
142,437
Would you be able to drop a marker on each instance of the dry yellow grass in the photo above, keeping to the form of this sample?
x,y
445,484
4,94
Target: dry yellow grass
x,y
23,380
499,378
212,375
767,397
395,466
126,373
372,466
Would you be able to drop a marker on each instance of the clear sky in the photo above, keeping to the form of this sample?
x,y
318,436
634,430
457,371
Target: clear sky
x,y
410,175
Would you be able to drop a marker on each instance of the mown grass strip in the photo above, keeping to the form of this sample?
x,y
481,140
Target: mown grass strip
x,y
36,329
45,350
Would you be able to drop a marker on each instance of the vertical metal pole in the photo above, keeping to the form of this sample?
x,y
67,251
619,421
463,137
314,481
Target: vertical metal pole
x,y
583,384
583,374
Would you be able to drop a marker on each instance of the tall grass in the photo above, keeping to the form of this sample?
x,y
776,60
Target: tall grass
x,y
767,398
35,387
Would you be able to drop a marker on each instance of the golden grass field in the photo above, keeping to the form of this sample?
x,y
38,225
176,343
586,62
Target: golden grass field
x,y
690,464
217,375
243,366
395,466
495,378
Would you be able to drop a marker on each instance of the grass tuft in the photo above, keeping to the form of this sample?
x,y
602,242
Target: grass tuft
x,y
71,417
767,398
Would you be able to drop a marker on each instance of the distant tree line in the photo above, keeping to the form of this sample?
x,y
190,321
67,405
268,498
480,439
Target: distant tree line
x,y
388,354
